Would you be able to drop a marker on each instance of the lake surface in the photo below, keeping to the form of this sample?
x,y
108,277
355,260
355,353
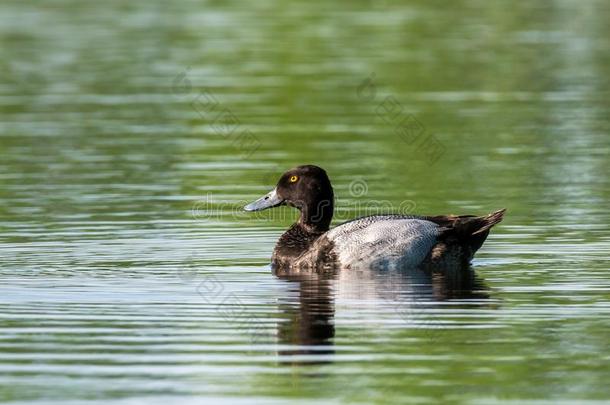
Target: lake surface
x,y
132,133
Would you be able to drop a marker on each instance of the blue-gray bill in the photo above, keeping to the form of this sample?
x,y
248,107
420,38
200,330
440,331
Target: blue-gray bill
x,y
267,201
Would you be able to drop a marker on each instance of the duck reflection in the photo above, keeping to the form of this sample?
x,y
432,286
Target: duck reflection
x,y
309,329
310,318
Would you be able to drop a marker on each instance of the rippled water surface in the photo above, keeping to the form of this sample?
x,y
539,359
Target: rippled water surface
x,y
132,133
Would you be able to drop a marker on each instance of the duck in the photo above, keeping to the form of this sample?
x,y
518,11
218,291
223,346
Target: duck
x,y
382,241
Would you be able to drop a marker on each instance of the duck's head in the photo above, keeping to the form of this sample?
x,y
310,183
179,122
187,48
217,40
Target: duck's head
x,y
306,188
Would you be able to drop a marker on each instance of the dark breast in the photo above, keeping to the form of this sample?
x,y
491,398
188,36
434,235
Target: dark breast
x,y
298,249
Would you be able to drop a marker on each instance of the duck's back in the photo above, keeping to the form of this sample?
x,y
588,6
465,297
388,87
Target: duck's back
x,y
384,241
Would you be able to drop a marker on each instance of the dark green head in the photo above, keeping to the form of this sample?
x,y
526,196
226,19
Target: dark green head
x,y
306,188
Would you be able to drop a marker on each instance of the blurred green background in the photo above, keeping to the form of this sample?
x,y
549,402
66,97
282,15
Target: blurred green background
x,y
131,133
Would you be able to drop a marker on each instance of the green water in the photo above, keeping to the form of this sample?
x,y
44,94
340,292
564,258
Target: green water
x,y
132,133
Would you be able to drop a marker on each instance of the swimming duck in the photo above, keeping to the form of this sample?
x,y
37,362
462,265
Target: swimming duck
x,y
376,241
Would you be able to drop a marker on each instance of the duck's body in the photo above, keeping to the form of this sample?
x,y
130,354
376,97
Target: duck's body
x,y
378,241
384,240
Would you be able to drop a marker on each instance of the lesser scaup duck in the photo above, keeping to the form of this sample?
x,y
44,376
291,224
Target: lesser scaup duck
x,y
380,241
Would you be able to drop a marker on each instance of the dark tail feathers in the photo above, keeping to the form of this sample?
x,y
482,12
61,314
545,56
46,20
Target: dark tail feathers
x,y
468,230
485,223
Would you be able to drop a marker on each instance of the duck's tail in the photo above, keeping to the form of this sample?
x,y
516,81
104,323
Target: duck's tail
x,y
482,224
468,231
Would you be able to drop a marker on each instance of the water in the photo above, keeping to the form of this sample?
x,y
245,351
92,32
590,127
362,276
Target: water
x,y
129,273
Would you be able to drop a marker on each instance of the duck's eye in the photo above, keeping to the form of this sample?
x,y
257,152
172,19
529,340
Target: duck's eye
x,y
293,179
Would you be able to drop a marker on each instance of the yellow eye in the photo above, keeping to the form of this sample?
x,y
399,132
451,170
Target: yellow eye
x,y
294,178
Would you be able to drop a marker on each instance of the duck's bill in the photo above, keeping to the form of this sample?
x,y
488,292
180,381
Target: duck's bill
x,y
267,201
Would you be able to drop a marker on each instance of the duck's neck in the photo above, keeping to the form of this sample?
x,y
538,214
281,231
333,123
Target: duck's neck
x,y
313,222
316,217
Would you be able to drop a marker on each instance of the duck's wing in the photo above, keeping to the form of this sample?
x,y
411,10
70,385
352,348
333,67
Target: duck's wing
x,y
384,241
